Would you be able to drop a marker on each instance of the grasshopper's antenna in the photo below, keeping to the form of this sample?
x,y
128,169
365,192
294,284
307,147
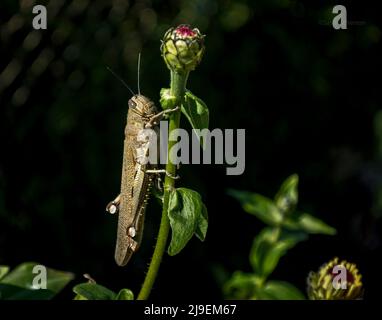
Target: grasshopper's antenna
x,y
120,79
139,68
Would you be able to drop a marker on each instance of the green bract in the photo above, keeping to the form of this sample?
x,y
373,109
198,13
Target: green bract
x,y
182,48
167,100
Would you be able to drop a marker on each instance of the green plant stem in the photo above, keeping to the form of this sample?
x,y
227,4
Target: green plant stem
x,y
275,237
276,234
177,88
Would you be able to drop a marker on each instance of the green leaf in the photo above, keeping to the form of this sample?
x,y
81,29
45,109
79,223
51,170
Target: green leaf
x,y
18,284
185,209
125,294
196,112
308,223
167,100
3,271
93,291
269,246
287,197
258,205
202,226
11,292
281,290
241,286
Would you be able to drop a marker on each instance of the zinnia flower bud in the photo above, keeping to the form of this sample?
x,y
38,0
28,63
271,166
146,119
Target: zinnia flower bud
x,y
327,283
182,48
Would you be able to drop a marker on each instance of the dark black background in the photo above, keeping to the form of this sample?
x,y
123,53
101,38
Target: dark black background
x,y
307,95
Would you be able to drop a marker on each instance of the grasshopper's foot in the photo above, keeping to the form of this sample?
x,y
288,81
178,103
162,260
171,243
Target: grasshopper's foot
x,y
159,184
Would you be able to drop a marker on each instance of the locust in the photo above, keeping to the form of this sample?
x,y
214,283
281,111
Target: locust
x,y
137,176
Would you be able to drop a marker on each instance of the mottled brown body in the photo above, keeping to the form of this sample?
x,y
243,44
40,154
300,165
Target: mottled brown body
x,y
135,182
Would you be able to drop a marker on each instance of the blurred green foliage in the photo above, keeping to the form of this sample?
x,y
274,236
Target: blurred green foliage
x,y
287,228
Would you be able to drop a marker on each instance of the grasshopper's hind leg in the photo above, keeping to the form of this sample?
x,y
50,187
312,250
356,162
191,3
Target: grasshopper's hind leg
x,y
113,206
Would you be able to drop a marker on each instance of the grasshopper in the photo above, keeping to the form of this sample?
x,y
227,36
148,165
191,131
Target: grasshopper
x,y
137,177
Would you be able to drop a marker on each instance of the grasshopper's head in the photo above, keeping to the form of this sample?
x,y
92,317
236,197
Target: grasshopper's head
x,y
142,105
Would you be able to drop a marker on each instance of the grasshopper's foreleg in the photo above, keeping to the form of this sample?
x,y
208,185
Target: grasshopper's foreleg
x,y
157,171
113,206
154,120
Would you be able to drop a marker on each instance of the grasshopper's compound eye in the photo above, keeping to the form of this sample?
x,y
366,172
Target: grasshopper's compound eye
x,y
132,104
